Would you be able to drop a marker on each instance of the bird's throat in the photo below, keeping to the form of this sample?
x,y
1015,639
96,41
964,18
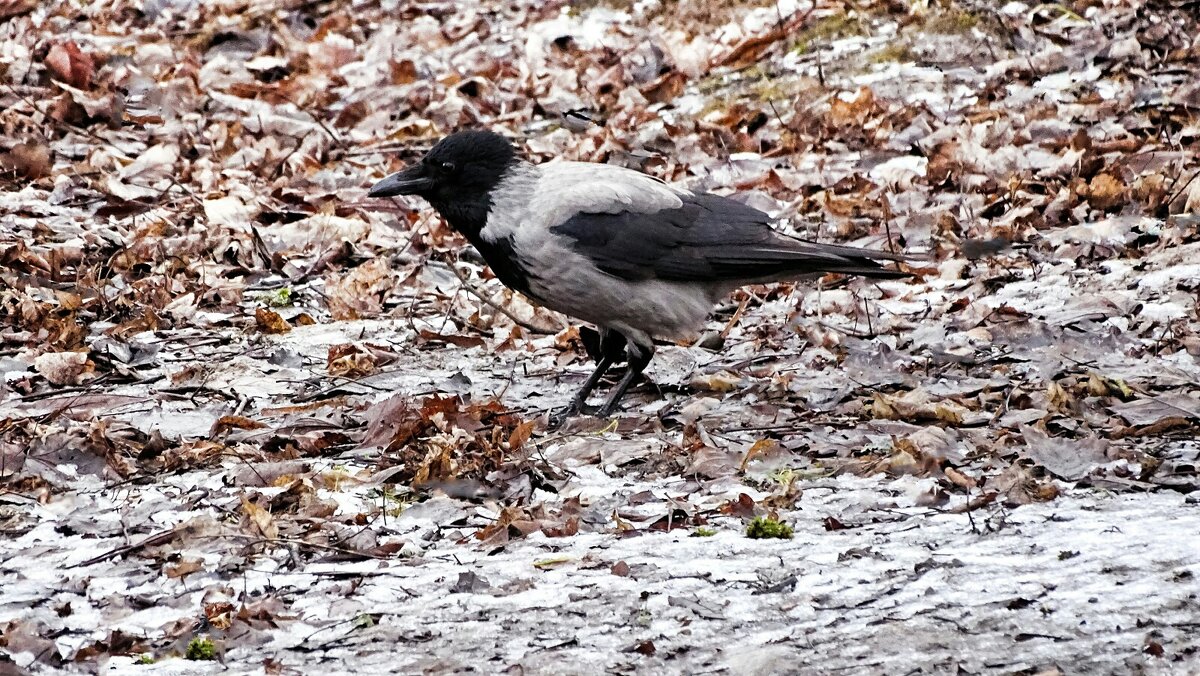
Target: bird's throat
x,y
469,218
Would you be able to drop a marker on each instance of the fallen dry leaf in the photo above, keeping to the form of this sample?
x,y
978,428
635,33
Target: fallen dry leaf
x,y
259,520
1106,191
1069,459
916,405
65,368
269,321
26,160
11,8
69,63
359,293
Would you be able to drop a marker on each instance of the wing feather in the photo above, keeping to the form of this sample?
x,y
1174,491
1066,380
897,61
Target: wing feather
x,y
705,238
565,189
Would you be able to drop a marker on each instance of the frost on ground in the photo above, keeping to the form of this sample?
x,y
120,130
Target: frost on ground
x,y
248,414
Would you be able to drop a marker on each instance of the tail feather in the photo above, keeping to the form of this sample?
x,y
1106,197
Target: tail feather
x,y
785,258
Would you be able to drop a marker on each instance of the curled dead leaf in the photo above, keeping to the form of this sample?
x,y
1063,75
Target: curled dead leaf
x,y
520,435
269,321
721,381
231,422
916,405
68,63
65,368
26,160
11,8
666,88
760,447
259,520
852,112
1019,486
1058,399
359,293
451,339
352,365
183,568
743,507
959,479
355,360
905,458
219,614
831,524
1106,191
76,105
750,49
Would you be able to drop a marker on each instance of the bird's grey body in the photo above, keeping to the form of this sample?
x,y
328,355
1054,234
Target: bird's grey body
x,y
531,201
625,251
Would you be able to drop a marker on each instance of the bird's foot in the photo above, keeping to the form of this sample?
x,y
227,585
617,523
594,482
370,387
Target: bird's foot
x,y
608,410
560,416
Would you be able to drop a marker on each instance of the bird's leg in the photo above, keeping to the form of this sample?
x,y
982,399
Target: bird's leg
x,y
580,400
611,349
603,343
639,358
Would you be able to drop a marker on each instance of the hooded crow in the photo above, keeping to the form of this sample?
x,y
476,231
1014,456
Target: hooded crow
x,y
637,257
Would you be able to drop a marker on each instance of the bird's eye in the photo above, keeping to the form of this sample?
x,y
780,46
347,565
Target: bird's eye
x,y
448,166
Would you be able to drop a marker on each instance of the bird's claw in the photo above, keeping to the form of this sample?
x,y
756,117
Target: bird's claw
x,y
562,415
606,411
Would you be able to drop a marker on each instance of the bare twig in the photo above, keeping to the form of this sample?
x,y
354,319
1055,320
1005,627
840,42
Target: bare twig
x,y
541,330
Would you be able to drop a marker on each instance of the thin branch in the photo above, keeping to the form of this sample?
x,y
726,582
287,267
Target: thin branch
x,y
541,330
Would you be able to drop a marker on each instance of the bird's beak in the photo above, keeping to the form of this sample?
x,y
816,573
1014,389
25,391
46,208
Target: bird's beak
x,y
409,181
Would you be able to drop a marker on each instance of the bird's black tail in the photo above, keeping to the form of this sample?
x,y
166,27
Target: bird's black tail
x,y
786,258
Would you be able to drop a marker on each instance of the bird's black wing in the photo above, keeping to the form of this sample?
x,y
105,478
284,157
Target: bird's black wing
x,y
708,239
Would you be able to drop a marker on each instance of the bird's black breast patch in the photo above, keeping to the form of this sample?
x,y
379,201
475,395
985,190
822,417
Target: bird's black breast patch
x,y
470,218
504,261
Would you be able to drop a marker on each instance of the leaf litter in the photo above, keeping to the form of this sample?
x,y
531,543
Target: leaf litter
x,y
245,409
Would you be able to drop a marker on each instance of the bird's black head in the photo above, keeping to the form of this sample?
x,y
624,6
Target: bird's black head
x,y
459,172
